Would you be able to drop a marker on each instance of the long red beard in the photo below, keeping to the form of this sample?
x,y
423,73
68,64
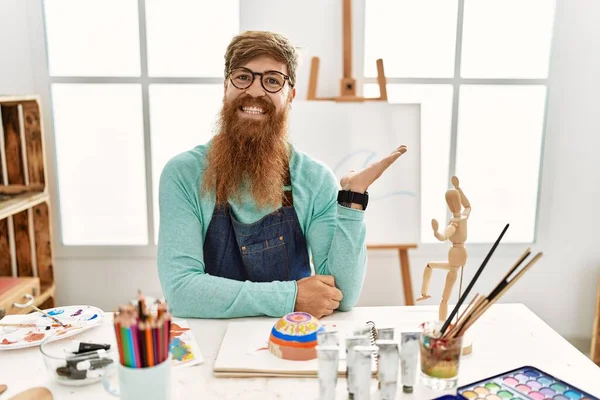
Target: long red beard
x,y
248,149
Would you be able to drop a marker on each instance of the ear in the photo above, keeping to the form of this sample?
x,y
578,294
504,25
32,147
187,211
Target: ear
x,y
293,94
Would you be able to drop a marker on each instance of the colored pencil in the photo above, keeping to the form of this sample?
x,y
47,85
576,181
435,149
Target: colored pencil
x,y
149,344
125,350
136,347
119,341
143,334
142,344
155,344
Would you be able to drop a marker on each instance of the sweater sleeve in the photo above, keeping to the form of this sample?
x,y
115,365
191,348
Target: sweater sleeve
x,y
189,291
336,237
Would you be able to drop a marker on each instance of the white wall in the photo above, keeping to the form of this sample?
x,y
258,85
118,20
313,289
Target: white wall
x,y
15,55
567,275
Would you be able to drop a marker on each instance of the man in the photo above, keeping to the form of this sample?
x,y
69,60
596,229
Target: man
x,y
240,214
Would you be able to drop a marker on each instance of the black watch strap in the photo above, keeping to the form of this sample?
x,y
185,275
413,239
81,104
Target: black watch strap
x,y
347,197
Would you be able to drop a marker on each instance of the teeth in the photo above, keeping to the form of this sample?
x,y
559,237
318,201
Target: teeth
x,y
253,110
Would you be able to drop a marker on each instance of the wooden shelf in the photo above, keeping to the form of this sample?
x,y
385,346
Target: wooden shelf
x,y
25,212
11,205
47,293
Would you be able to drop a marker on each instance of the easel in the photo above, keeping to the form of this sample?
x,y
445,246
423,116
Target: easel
x,y
347,83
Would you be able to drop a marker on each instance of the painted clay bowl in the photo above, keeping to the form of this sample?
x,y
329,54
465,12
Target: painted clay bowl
x,y
294,337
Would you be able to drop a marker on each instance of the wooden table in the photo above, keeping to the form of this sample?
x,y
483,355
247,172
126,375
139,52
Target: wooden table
x,y
508,336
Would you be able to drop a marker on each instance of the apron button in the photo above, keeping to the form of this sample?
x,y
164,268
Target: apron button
x,y
243,248
280,237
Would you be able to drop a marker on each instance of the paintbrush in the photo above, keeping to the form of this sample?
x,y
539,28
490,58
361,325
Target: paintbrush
x,y
482,302
499,291
472,283
49,316
16,325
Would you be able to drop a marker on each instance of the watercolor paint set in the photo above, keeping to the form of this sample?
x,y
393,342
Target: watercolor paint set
x,y
524,383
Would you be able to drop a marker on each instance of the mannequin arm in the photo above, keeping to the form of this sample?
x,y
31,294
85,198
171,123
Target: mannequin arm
x,y
450,229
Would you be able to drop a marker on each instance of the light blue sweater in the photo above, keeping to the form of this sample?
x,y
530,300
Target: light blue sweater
x,y
335,237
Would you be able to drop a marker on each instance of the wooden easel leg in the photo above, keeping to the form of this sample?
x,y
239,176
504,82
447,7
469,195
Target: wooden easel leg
x,y
312,80
381,81
595,352
409,299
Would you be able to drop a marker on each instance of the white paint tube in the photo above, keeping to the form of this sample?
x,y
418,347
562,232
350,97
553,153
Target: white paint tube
x,y
328,338
409,353
362,363
351,342
329,357
385,333
389,365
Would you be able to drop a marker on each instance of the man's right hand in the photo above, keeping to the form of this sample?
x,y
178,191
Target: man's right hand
x,y
317,295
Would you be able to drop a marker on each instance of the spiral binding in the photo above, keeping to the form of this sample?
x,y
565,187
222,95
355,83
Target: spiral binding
x,y
372,332
373,339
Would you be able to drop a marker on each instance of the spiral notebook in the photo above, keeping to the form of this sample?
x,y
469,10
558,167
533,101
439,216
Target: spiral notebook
x,y
244,352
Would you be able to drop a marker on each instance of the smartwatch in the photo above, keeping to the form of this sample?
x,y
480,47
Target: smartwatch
x,y
347,197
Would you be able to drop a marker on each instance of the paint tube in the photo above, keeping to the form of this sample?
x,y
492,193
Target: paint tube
x,y
329,357
409,353
385,333
387,371
328,338
351,342
362,364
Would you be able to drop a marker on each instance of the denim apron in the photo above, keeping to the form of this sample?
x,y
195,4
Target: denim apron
x,y
270,249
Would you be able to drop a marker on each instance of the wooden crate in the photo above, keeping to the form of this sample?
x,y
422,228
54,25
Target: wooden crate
x,y
25,224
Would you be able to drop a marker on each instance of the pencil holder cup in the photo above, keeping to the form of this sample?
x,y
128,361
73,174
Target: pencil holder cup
x,y
150,383
440,358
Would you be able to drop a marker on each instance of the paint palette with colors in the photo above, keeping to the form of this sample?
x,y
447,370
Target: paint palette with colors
x,y
28,330
528,383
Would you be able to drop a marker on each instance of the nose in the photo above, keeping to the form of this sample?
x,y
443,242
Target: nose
x,y
256,89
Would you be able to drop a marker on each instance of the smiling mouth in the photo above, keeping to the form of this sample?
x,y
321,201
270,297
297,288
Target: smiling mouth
x,y
252,110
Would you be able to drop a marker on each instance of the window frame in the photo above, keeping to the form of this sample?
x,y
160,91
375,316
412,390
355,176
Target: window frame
x,y
42,82
456,81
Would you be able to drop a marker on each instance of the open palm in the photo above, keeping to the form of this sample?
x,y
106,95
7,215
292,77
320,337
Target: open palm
x,y
359,181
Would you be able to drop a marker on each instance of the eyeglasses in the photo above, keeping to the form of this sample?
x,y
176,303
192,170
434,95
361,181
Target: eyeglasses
x,y
271,81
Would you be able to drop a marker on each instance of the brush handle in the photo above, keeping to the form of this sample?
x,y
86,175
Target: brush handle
x,y
472,306
501,293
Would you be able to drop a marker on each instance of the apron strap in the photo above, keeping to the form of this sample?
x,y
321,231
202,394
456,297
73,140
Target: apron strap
x,y
287,200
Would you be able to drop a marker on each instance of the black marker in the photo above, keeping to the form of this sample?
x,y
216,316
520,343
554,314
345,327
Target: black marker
x,y
93,364
86,347
73,360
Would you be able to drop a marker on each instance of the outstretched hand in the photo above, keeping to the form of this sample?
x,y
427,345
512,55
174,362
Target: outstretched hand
x,y
359,181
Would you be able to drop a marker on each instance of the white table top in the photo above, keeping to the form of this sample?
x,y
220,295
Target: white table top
x,y
506,337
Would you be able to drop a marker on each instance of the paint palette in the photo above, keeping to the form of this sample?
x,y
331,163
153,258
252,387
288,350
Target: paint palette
x,y
527,383
28,330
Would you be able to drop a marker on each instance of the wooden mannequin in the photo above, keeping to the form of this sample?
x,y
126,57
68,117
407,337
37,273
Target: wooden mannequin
x,y
456,232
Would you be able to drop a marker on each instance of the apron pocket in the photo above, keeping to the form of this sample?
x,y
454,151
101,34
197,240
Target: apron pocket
x,y
266,261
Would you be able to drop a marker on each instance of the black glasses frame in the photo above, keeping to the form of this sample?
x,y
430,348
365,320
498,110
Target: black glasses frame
x,y
286,78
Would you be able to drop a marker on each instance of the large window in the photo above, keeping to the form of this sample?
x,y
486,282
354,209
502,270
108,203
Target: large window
x,y
480,70
133,83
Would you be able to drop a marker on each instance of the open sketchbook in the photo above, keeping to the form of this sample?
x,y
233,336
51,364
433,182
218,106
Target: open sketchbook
x,y
244,351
